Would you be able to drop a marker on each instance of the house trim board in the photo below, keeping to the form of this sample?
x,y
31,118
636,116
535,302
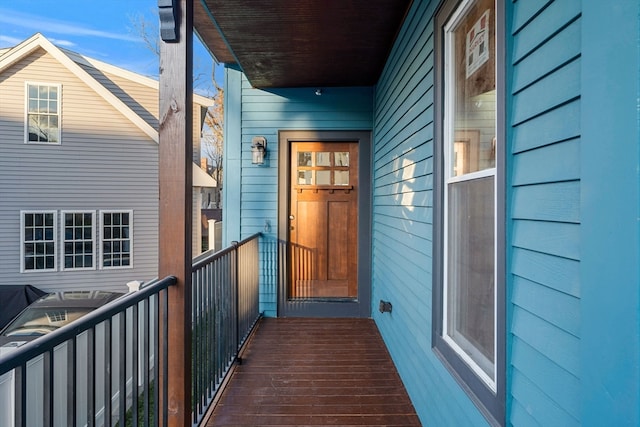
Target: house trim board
x,y
232,156
610,208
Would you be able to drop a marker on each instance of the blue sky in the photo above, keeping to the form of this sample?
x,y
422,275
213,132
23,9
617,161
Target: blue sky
x,y
100,29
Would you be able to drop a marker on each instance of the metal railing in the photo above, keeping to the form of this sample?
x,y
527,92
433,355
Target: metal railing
x,y
101,369
225,307
98,370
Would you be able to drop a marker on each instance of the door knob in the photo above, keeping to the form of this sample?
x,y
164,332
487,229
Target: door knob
x,y
291,217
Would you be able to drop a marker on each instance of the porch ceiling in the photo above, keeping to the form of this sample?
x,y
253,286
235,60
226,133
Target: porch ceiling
x,y
304,43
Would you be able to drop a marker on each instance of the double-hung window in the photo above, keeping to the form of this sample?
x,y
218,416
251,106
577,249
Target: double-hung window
x,y
38,236
469,318
43,113
78,244
117,239
79,240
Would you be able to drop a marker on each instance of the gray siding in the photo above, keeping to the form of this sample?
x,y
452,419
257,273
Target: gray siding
x,y
544,279
403,222
142,99
103,162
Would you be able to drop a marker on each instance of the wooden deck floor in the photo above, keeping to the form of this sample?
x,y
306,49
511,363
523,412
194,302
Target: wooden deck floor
x,y
315,372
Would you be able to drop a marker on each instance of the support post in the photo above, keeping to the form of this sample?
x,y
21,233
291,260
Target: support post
x,y
175,214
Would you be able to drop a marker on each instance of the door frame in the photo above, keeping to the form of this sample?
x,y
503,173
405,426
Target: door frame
x,y
309,308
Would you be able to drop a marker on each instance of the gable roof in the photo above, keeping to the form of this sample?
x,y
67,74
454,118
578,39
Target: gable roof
x,y
203,101
77,64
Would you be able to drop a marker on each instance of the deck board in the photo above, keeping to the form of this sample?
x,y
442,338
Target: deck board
x,y
315,372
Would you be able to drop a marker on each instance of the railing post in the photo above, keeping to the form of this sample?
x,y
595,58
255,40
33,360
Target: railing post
x,y
236,318
20,387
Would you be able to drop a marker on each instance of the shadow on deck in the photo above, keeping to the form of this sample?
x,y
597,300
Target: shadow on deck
x,y
315,372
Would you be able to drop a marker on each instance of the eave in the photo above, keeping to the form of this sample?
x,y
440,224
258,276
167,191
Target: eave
x,y
308,43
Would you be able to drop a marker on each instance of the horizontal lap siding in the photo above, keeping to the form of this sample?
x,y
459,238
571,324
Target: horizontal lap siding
x,y
142,99
265,113
403,226
104,162
544,208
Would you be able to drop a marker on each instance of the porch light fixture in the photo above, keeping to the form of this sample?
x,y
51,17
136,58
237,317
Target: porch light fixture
x,y
318,92
258,150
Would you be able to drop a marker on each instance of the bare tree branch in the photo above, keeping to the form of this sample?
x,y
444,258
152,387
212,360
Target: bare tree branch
x,y
147,31
212,134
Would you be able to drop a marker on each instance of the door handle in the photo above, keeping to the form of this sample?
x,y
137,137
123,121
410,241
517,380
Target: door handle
x,y
291,217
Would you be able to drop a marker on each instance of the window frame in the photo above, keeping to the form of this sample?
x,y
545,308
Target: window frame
x,y
490,400
54,228
27,114
102,238
63,240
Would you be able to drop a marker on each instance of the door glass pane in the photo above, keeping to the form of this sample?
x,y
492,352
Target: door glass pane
x,y
342,158
341,177
305,178
323,159
304,158
323,178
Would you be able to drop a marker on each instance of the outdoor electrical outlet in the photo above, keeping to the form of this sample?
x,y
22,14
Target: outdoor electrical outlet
x,y
385,306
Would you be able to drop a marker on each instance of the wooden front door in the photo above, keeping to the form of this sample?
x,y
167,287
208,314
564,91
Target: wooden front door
x,y
323,221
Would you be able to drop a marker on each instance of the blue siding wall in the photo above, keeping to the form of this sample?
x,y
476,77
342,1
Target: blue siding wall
x,y
543,278
402,223
573,203
252,190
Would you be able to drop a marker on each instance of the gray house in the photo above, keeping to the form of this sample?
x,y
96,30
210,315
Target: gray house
x,y
79,170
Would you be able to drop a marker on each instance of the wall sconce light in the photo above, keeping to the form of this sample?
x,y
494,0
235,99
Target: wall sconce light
x,y
258,150
318,92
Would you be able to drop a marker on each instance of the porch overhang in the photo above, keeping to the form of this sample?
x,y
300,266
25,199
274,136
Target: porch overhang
x,y
306,43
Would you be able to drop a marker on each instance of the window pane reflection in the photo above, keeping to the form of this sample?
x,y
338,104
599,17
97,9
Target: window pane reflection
x,y
341,177
304,159
305,178
470,301
323,159
323,178
342,158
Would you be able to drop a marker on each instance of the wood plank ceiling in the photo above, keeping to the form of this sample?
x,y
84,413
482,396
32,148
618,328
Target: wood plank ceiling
x,y
303,43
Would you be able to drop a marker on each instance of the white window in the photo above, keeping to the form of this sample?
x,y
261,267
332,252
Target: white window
x,y
42,113
469,326
78,231
469,186
116,235
38,237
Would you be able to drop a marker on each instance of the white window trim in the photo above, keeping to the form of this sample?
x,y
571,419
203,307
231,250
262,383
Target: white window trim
x,y
22,241
101,242
448,131
26,112
63,240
